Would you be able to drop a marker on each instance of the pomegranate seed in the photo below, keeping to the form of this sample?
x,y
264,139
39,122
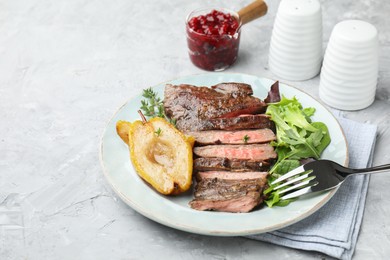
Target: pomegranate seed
x,y
214,23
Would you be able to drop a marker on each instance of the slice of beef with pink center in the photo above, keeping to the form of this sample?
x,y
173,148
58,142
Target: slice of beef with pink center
x,y
256,152
229,191
242,204
233,137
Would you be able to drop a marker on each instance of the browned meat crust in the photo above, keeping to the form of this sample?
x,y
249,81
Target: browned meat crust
x,y
190,106
241,204
225,164
229,191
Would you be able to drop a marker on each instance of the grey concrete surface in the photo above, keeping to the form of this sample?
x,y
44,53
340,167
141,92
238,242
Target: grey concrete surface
x,y
67,66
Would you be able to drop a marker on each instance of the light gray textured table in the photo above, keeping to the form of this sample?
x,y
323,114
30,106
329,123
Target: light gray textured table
x,y
66,67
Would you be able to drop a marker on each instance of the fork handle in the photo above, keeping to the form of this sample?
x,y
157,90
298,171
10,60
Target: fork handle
x,y
375,169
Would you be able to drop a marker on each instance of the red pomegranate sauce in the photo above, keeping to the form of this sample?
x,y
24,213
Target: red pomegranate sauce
x,y
213,39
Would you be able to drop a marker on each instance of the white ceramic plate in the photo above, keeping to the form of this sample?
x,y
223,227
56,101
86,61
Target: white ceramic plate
x,y
174,211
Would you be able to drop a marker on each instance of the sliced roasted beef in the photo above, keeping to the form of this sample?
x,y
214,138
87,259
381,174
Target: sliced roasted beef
x,y
231,165
256,152
255,136
225,164
221,189
225,184
190,106
241,204
236,123
229,191
227,175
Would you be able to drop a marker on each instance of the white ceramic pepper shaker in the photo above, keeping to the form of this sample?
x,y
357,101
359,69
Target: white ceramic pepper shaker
x,y
349,73
296,43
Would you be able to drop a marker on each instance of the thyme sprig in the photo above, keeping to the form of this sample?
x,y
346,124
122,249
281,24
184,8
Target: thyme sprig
x,y
153,106
158,132
246,138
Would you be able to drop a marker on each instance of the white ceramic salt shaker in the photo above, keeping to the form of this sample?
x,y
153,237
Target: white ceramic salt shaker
x,y
350,69
296,43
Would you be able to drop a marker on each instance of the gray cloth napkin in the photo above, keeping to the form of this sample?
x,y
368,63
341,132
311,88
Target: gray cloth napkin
x,y
334,229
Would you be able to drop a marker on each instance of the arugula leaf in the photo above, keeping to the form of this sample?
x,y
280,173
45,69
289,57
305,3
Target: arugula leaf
x,y
309,111
325,141
272,199
286,165
294,115
297,138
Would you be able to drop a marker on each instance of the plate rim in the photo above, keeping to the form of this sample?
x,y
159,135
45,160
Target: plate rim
x,y
206,231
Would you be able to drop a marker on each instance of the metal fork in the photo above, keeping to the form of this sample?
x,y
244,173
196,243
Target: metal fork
x,y
315,176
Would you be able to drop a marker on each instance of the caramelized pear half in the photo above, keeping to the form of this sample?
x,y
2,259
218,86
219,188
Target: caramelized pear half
x,y
123,129
160,154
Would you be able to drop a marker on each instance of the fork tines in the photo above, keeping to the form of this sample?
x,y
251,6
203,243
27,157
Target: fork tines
x,y
301,182
290,174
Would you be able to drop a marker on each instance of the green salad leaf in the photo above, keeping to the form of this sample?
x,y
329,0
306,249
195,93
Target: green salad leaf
x,y
297,138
